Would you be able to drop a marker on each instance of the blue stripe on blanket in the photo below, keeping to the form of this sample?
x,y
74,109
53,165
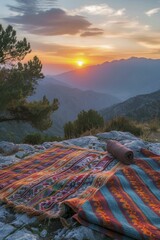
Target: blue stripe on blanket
x,y
149,183
153,164
152,217
112,203
87,208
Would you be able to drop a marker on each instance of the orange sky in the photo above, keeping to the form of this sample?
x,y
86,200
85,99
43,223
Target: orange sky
x,y
63,32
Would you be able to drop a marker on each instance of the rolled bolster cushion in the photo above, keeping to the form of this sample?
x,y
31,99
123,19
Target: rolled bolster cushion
x,y
120,152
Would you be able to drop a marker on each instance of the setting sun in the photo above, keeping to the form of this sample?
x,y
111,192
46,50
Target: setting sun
x,y
80,63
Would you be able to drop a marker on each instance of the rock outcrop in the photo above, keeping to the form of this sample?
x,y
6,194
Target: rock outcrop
x,y
16,226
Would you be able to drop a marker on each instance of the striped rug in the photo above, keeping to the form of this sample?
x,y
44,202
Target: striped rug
x,y
127,206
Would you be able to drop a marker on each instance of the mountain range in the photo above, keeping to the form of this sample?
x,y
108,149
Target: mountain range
x,y
116,82
142,108
72,101
121,78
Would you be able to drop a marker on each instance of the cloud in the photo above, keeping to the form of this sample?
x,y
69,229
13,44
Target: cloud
x,y
92,32
157,51
40,18
53,22
71,52
130,24
23,7
152,12
116,24
101,9
124,28
152,42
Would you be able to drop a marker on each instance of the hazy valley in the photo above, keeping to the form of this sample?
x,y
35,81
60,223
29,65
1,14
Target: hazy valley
x,y
72,101
121,78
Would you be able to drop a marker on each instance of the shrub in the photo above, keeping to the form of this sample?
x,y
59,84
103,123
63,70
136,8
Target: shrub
x,y
154,125
86,120
38,138
33,138
123,124
48,138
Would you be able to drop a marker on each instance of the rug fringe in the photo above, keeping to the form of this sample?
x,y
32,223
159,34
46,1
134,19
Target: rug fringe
x,y
21,208
28,210
45,216
32,212
65,223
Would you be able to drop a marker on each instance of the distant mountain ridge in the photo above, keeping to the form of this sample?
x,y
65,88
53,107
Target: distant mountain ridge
x,y
72,101
121,78
142,108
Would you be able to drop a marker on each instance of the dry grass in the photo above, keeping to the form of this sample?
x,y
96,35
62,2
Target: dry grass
x,y
92,132
125,124
151,131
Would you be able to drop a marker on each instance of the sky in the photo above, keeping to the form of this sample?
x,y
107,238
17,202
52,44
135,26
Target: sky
x,y
70,34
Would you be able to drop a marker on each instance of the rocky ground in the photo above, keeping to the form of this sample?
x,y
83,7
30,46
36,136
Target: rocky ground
x,y
14,226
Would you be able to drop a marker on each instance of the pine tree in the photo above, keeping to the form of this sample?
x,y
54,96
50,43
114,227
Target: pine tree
x,y
18,81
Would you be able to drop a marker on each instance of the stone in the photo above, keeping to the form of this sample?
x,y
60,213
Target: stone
x,y
78,233
7,160
48,144
6,229
116,135
43,234
39,147
21,154
23,219
3,211
26,148
22,234
6,215
81,141
8,148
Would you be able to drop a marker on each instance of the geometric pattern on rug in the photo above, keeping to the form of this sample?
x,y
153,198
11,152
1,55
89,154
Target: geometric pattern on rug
x,y
127,206
46,183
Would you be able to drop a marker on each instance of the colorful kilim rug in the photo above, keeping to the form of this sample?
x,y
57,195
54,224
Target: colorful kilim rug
x,y
39,185
127,206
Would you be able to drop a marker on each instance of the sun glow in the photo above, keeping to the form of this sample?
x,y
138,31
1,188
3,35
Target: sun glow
x,y
80,63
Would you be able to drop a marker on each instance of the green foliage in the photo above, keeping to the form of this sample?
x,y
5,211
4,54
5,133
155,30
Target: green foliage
x,y
86,120
69,130
38,138
18,81
123,124
10,48
37,113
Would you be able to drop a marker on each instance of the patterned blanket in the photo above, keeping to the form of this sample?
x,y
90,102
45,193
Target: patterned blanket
x,y
106,195
127,206
45,183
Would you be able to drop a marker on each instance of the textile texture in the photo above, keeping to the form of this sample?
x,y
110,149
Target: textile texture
x,y
127,206
45,183
121,201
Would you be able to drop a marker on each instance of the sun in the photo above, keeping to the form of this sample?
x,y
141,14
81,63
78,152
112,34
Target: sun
x,y
80,63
